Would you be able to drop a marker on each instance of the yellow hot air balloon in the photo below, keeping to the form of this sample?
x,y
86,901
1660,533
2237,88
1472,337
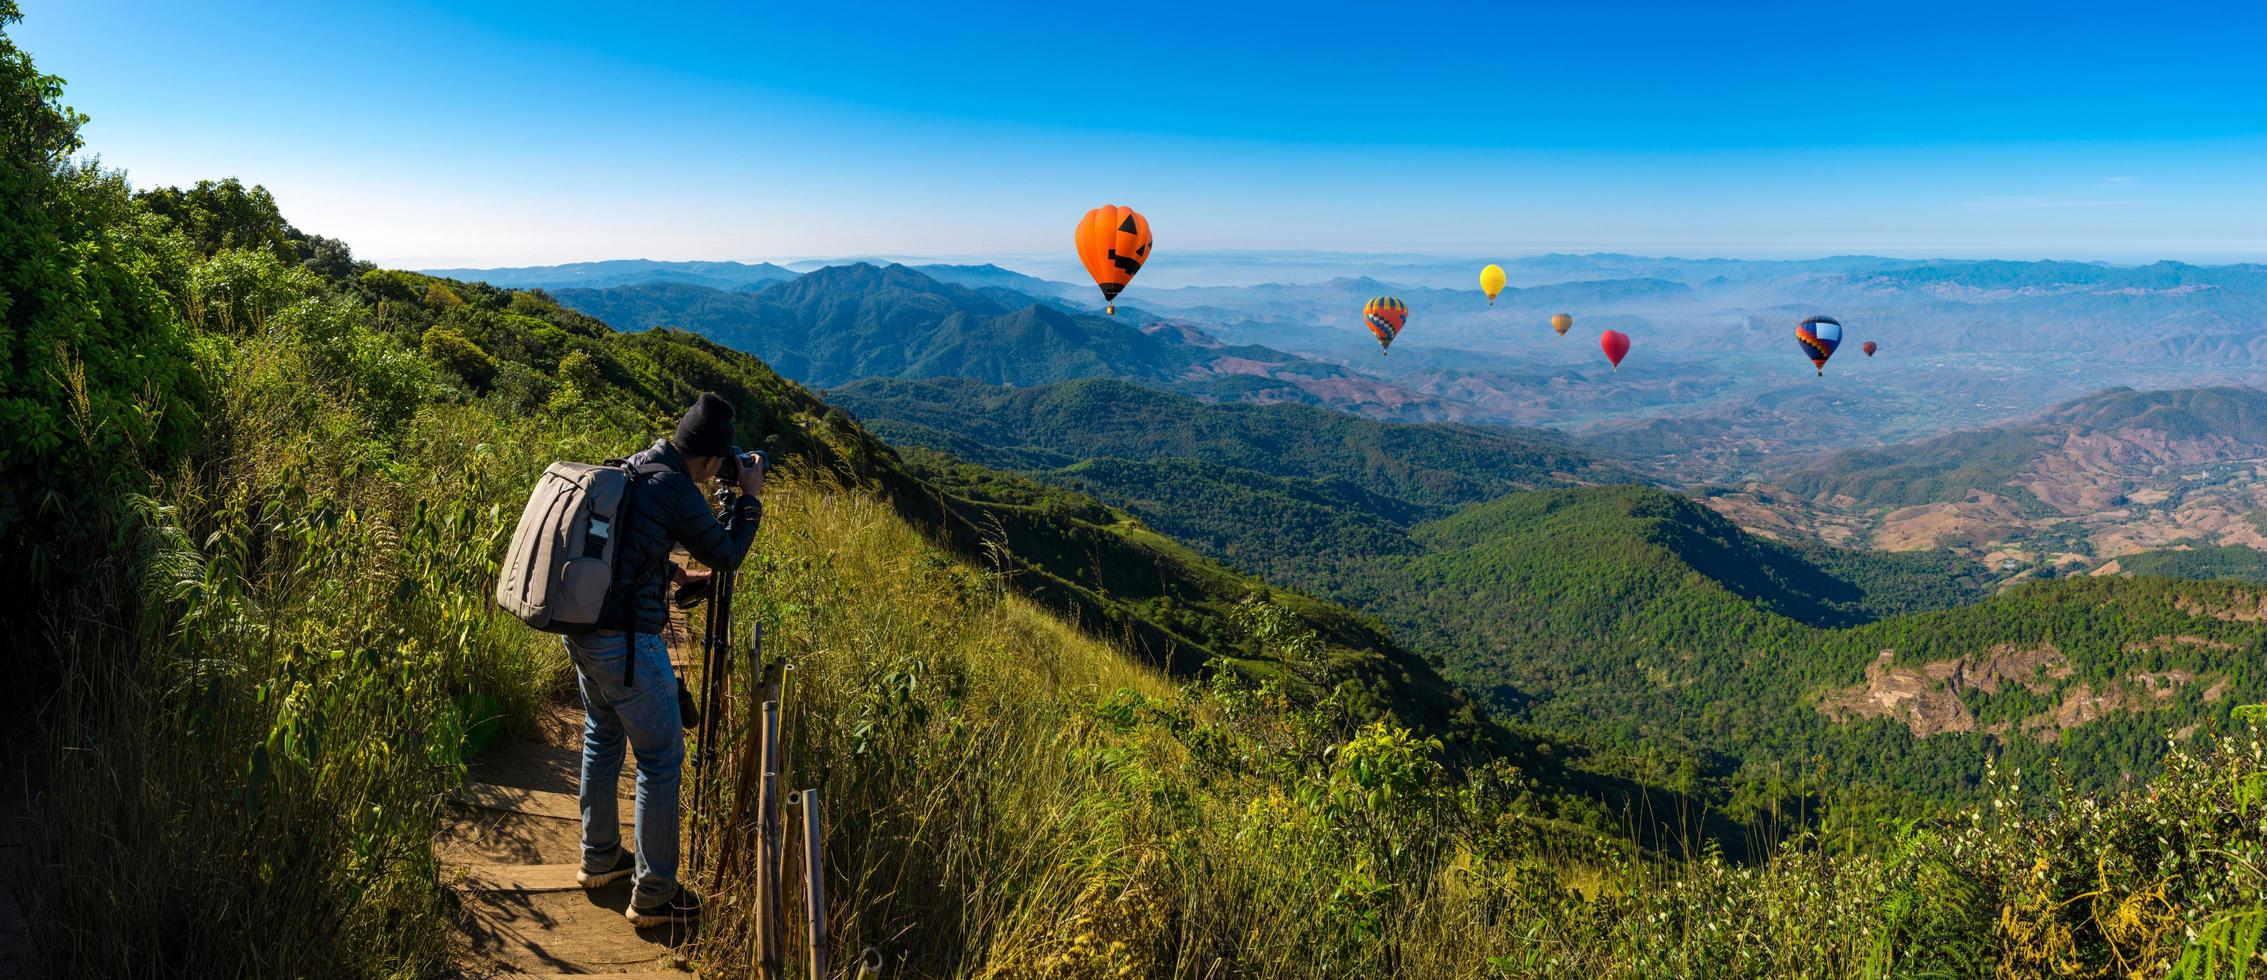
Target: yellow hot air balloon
x,y
1491,281
1562,323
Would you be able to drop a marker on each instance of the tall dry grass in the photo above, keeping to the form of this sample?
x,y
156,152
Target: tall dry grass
x,y
1009,797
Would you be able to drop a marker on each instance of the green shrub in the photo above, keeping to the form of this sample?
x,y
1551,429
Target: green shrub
x,y
440,298
454,353
238,290
580,373
94,375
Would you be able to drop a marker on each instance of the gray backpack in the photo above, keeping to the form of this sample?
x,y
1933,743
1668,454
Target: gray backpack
x,y
561,560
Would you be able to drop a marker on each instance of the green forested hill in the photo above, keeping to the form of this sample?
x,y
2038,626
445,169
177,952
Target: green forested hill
x,y
1429,465
2199,562
1291,492
1645,622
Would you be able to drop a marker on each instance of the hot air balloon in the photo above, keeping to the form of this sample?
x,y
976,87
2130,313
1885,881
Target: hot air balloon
x,y
1819,335
1385,317
1869,348
1615,343
1113,241
1491,281
1562,323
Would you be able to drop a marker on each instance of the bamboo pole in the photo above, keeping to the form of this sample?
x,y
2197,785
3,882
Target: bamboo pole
x,y
748,763
769,958
814,881
770,868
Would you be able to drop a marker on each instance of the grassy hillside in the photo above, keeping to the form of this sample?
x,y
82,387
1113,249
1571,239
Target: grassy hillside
x,y
285,645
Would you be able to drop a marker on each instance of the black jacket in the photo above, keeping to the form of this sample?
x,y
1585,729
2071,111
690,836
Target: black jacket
x,y
666,508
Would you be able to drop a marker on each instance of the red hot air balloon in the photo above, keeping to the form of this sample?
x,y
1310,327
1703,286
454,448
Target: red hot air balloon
x,y
1615,343
1868,347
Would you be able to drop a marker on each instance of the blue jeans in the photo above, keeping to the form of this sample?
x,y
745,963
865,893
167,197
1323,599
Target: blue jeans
x,y
646,714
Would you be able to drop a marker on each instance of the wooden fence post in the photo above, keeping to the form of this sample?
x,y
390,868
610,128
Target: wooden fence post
x,y
814,881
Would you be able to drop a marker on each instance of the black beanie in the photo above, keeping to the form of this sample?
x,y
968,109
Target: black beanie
x,y
706,429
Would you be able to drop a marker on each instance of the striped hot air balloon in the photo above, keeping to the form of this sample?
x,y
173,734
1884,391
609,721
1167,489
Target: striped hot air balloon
x,y
1819,336
1385,316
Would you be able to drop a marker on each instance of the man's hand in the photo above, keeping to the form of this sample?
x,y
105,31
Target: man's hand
x,y
752,479
678,574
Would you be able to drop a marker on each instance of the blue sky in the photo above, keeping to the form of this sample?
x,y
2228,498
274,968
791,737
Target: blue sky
x,y
483,133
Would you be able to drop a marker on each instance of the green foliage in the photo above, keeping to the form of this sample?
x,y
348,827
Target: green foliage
x,y
450,350
94,374
580,372
237,290
2204,562
439,297
224,215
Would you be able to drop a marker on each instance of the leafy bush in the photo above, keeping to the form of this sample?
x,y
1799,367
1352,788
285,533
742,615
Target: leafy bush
x,y
94,375
454,353
225,215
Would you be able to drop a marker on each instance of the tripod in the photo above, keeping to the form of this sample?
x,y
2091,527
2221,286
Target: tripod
x,y
716,676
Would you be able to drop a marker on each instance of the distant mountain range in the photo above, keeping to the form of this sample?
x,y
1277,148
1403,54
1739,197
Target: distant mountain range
x,y
623,272
844,323
1713,389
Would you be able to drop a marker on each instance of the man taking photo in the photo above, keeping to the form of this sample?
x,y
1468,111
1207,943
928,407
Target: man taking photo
x,y
629,689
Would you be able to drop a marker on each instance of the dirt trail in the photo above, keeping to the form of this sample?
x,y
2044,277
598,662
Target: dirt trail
x,y
511,855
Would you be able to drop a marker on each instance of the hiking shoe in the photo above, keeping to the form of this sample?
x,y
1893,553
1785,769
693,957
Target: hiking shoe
x,y
624,862
684,906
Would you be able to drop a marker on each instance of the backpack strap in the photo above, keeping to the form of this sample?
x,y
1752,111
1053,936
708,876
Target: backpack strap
x,y
636,472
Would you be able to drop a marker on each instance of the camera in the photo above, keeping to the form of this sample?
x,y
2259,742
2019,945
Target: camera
x,y
739,459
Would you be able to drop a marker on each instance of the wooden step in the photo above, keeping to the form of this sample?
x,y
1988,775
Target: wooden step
x,y
519,878
482,836
639,975
512,799
555,768
566,932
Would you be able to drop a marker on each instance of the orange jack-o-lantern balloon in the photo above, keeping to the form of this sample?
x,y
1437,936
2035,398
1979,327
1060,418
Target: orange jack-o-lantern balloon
x,y
1113,241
